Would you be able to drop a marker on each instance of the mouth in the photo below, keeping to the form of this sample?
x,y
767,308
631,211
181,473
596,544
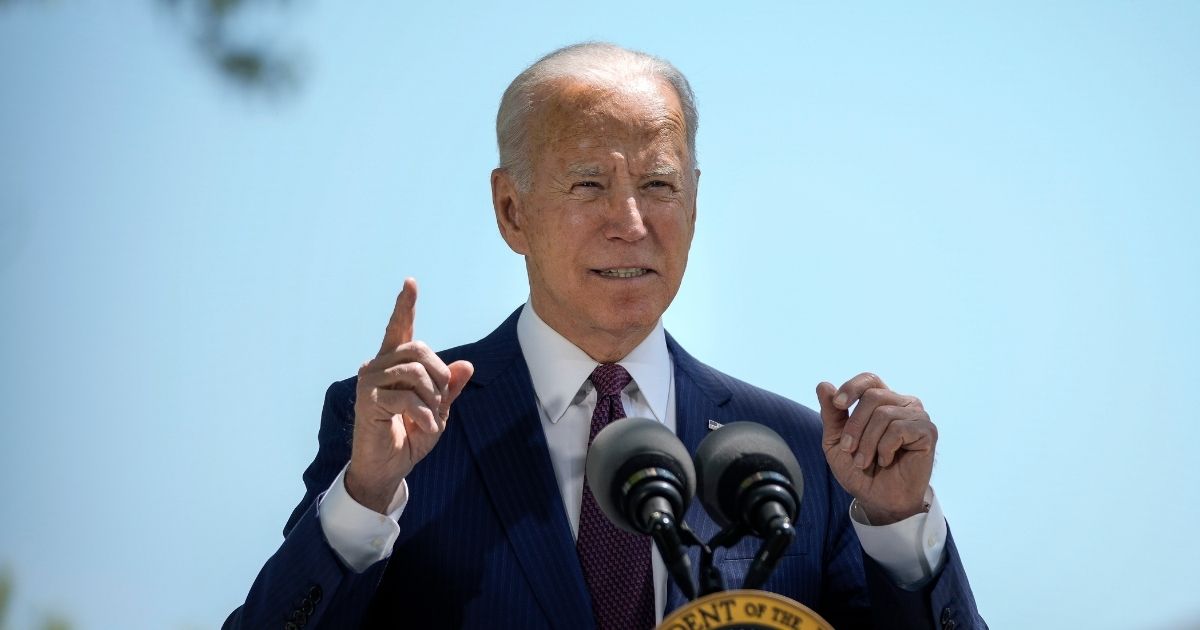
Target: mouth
x,y
623,272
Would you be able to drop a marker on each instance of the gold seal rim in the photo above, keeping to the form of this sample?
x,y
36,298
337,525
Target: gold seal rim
x,y
740,613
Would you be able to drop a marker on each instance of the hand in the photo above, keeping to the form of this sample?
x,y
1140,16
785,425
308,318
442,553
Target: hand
x,y
401,406
882,452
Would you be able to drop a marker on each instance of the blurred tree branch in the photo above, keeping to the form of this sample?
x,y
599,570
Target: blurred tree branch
x,y
6,579
250,63
51,621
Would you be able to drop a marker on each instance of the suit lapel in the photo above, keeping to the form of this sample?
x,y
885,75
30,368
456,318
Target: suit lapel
x,y
699,397
506,438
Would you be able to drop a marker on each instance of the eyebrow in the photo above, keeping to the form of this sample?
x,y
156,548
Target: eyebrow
x,y
585,170
593,170
662,170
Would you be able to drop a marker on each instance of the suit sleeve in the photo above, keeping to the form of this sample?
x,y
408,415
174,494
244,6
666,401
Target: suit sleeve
x,y
304,583
944,603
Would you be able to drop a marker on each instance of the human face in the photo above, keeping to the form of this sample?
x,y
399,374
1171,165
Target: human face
x,y
607,222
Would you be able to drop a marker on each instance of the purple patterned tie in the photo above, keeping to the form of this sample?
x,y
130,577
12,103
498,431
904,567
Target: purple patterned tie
x,y
616,564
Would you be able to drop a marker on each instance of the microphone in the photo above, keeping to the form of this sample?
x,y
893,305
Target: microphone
x,y
643,480
750,481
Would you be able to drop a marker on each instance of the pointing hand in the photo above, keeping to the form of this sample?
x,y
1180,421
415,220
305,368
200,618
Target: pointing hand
x,y
402,402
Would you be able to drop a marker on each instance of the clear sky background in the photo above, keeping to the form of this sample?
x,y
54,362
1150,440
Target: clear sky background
x,y
995,208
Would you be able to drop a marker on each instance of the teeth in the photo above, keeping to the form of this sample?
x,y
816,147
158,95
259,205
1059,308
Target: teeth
x,y
631,272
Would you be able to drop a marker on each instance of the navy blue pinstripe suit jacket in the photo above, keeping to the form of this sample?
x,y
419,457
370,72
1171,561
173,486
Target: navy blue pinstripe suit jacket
x,y
485,541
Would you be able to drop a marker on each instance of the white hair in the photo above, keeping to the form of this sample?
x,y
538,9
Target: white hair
x,y
591,62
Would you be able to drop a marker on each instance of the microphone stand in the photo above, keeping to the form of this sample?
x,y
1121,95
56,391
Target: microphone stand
x,y
781,535
710,578
672,540
769,553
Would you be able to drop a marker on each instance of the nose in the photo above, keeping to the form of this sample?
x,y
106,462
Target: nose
x,y
625,220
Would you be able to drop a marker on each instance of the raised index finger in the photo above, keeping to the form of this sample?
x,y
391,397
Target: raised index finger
x,y
400,327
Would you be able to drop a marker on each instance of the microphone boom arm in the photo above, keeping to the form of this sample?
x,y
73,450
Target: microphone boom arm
x,y
667,537
769,553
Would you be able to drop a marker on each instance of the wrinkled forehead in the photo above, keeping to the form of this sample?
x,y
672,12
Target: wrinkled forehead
x,y
573,112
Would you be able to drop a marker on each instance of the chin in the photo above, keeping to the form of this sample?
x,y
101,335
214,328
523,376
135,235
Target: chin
x,y
632,316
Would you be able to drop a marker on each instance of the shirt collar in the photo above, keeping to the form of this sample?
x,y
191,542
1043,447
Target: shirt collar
x,y
559,369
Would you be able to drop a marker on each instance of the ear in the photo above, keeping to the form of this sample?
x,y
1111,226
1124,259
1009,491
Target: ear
x,y
695,196
507,205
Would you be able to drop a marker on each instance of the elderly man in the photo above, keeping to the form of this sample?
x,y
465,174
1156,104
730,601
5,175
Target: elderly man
x,y
448,489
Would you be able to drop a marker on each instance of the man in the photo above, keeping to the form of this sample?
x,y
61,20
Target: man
x,y
448,489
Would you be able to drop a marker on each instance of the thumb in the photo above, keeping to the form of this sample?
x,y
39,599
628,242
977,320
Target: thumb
x,y
460,373
832,419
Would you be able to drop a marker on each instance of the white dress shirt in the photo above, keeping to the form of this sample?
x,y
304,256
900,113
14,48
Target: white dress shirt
x,y
910,551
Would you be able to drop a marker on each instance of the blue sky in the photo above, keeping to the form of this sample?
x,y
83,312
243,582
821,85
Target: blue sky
x,y
994,207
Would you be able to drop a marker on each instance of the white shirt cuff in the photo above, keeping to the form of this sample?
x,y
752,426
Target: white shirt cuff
x,y
360,536
910,551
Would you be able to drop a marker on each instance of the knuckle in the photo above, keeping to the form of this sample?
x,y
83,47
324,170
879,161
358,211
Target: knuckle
x,y
408,370
905,431
415,369
440,366
439,375
874,395
887,413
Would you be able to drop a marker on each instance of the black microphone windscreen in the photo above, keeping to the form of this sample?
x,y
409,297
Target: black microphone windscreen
x,y
625,447
730,454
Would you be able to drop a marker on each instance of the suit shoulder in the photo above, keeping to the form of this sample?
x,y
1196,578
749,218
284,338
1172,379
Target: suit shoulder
x,y
341,389
465,351
750,402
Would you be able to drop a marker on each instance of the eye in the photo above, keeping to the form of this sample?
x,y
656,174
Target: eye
x,y
586,184
659,185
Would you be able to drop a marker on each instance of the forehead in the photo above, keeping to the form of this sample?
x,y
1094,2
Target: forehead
x,y
643,111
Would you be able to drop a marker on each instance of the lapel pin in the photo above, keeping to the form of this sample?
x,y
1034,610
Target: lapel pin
x,y
713,425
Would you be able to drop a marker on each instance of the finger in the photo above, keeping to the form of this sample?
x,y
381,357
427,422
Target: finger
x,y
879,424
832,419
854,388
405,404
867,403
413,351
460,374
410,376
908,435
400,326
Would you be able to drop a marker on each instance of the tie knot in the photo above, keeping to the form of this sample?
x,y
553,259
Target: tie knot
x,y
609,379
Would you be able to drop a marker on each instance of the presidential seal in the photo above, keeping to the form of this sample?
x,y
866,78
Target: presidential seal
x,y
744,610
